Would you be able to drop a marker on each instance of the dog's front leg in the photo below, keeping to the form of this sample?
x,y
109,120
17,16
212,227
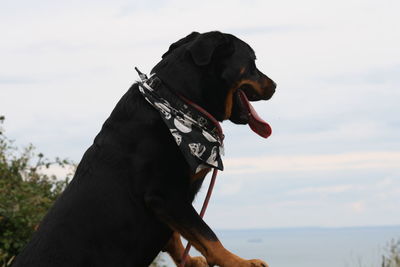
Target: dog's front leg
x,y
175,249
180,216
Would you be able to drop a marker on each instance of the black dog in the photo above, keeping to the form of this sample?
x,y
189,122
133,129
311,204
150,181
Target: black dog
x,y
132,192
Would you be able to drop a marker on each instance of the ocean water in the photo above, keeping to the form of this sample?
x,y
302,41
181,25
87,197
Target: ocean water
x,y
309,247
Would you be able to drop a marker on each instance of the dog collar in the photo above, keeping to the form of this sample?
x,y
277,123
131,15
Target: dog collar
x,y
197,134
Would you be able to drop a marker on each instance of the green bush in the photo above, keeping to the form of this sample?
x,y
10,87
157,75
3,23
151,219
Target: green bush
x,y
26,193
392,256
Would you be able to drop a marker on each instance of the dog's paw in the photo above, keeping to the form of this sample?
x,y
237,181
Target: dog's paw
x,y
197,262
239,262
256,263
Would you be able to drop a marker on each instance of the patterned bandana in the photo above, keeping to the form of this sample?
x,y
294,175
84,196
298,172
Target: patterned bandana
x,y
195,134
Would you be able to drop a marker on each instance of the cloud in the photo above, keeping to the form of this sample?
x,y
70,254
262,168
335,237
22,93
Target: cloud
x,y
272,29
136,7
9,80
323,190
322,162
375,75
332,206
231,188
358,206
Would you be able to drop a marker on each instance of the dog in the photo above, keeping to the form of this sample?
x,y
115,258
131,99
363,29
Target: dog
x,y
131,195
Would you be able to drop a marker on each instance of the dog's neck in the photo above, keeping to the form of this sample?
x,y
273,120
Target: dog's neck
x,y
197,133
195,87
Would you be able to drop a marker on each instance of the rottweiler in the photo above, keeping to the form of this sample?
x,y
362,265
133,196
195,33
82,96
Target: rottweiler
x,y
131,196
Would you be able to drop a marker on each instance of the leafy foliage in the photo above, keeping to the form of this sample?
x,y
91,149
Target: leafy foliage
x,y
392,257
26,193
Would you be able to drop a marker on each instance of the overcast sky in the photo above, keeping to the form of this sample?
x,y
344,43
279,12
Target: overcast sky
x,y
334,156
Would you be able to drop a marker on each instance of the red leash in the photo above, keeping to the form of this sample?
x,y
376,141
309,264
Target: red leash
x,y
203,210
214,175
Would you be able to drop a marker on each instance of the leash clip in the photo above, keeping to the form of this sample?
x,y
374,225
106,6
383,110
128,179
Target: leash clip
x,y
142,76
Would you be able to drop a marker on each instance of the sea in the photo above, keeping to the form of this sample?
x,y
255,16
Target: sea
x,y
309,247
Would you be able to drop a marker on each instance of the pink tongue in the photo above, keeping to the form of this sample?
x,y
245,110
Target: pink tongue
x,y
257,124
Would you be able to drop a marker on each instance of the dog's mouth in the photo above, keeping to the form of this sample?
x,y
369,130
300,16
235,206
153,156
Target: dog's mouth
x,y
244,113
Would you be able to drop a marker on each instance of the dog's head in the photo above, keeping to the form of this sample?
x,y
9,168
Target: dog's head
x,y
218,72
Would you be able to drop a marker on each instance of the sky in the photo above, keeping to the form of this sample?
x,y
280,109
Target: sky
x,y
333,159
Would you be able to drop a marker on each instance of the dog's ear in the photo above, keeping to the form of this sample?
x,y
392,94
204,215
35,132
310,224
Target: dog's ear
x,y
204,46
182,41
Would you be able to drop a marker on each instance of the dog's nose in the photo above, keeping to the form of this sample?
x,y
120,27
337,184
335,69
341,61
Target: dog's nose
x,y
271,90
274,85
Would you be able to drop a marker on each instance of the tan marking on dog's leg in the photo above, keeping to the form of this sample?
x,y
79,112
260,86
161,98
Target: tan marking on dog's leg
x,y
175,249
210,248
216,254
181,217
